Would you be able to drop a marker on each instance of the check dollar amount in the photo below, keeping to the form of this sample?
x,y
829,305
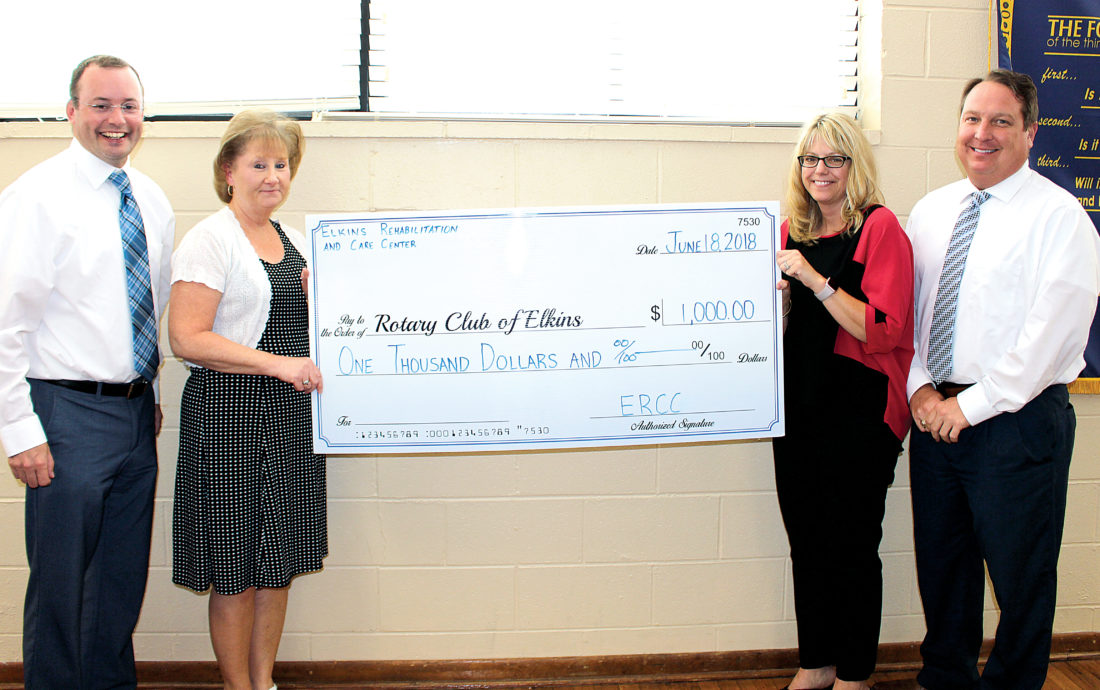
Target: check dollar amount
x,y
545,328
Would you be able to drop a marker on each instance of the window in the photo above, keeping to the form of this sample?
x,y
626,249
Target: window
x,y
195,57
776,62
728,60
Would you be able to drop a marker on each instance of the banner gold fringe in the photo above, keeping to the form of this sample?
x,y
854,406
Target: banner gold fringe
x,y
1085,386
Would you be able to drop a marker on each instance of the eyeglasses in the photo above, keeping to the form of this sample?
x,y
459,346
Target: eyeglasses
x,y
104,108
809,161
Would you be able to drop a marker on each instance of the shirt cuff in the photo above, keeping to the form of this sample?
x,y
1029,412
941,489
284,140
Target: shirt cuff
x,y
975,405
22,435
917,379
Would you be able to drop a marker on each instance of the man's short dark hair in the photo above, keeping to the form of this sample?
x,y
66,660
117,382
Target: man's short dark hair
x,y
104,61
1019,84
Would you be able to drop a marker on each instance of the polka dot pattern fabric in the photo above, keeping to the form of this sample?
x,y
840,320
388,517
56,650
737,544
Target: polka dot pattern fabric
x,y
249,508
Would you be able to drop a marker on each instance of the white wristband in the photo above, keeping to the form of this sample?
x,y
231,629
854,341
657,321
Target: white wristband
x,y
825,292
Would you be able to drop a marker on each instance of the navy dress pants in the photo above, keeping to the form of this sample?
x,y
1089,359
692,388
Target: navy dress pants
x,y
995,499
88,536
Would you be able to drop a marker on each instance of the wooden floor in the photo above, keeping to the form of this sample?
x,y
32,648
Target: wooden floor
x,y
1075,674
1081,674
1078,674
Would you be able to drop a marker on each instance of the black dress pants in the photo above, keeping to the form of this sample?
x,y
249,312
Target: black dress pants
x,y
831,482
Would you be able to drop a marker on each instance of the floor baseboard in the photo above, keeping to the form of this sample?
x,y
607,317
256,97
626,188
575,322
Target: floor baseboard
x,y
556,670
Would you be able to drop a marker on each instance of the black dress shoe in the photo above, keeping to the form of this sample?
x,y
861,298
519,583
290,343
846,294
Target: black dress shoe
x,y
902,684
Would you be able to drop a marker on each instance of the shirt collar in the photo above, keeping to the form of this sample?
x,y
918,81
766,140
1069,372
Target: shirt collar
x,y
93,169
1006,188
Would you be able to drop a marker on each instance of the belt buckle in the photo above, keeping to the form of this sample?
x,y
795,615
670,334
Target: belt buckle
x,y
138,383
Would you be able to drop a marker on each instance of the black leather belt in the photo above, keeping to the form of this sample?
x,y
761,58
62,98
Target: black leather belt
x,y
134,389
950,390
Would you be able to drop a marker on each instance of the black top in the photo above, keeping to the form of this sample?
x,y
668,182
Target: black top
x,y
823,388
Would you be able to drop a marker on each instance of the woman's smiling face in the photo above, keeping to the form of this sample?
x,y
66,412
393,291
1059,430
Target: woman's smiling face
x,y
260,176
828,186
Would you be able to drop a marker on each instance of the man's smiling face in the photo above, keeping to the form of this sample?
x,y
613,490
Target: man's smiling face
x,y
112,134
993,142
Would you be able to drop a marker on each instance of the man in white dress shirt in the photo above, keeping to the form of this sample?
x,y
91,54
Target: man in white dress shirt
x,y
78,415
993,428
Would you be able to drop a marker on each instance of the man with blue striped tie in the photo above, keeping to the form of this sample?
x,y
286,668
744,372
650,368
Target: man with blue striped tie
x,y
1006,283
85,245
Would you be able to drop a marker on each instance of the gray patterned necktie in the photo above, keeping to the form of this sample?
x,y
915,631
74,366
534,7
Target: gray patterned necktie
x,y
941,344
135,253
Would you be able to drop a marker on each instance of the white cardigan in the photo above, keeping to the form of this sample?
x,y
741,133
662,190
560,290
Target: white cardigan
x,y
217,254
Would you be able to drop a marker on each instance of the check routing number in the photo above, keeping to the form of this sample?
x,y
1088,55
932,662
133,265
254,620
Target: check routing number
x,y
545,328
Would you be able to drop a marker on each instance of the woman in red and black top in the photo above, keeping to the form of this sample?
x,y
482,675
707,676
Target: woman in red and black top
x,y
848,341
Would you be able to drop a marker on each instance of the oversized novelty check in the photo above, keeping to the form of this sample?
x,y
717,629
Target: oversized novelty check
x,y
545,328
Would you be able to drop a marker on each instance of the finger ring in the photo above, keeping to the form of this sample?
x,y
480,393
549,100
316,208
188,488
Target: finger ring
x,y
923,423
786,266
305,382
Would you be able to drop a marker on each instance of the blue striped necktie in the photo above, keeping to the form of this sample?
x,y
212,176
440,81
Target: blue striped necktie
x,y
135,253
941,343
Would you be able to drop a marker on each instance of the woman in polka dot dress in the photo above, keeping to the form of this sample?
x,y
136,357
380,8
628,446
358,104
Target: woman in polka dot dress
x,y
249,510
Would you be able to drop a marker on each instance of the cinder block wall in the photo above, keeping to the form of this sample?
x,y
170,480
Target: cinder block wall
x,y
648,550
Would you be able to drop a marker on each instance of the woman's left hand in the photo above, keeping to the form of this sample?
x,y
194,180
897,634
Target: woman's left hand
x,y
299,372
305,281
791,262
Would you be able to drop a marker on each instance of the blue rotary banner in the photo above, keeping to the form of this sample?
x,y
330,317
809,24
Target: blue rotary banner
x,y
1057,43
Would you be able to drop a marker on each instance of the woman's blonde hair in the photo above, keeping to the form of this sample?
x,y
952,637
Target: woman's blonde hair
x,y
843,135
248,126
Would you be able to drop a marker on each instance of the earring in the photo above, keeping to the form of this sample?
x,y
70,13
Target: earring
x,y
229,190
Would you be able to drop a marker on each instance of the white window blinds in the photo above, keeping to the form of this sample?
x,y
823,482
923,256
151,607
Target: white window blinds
x,y
761,61
194,57
766,61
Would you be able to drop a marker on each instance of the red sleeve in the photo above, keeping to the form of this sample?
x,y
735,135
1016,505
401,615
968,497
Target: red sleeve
x,y
887,258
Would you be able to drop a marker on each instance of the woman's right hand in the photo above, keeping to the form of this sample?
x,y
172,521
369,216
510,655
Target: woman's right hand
x,y
792,263
300,372
785,290
784,287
